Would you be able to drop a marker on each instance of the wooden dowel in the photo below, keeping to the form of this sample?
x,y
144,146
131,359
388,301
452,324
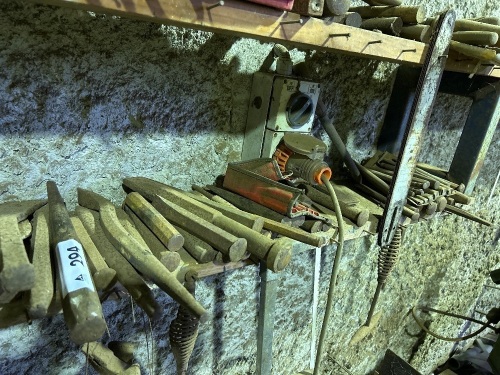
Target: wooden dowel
x,y
479,53
158,224
406,13
388,25
468,25
336,7
476,38
159,250
350,19
421,33
490,20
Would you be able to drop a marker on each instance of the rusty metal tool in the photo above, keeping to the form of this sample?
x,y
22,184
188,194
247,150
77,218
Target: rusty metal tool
x,y
124,350
155,221
259,180
211,196
25,229
16,271
81,306
103,276
357,215
425,95
139,256
276,253
127,224
39,298
281,228
197,248
170,259
125,273
247,205
104,360
407,210
467,215
233,247
188,215
232,212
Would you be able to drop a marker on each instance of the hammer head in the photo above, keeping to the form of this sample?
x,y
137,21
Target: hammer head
x,y
20,210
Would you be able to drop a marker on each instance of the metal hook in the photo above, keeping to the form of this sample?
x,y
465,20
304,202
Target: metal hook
x,y
347,35
300,21
217,4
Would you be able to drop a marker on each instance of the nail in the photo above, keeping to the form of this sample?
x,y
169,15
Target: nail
x,y
347,35
218,4
375,42
290,22
409,50
444,56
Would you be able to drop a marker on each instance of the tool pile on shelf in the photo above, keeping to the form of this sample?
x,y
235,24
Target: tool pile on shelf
x,y
430,192
477,38
54,260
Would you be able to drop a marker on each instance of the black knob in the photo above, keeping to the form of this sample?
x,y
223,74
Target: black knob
x,y
299,110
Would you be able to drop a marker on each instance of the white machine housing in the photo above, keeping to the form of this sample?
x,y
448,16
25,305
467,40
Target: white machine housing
x,y
278,104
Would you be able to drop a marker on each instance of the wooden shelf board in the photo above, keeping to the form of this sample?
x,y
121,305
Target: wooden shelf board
x,y
251,20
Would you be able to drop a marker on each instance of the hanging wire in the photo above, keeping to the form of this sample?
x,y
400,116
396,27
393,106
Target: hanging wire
x,y
451,339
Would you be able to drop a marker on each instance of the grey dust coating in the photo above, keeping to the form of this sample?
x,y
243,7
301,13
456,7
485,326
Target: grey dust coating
x,y
87,100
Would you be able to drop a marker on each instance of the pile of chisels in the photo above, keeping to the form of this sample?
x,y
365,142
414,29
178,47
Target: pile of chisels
x,y
54,260
430,192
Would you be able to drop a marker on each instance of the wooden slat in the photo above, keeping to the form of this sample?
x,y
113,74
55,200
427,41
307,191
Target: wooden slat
x,y
250,20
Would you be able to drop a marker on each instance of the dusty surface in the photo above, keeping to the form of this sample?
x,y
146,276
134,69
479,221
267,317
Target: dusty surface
x,y
86,100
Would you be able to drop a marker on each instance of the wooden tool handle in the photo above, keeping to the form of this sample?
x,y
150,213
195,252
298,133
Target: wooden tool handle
x,y
155,221
388,25
476,38
408,14
483,54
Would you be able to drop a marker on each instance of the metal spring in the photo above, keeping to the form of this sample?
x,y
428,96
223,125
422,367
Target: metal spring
x,y
388,256
183,333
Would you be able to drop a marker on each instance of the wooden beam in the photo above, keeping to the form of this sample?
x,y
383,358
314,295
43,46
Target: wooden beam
x,y
245,19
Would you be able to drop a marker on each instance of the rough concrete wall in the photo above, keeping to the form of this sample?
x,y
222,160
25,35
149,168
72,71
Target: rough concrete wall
x,y
86,100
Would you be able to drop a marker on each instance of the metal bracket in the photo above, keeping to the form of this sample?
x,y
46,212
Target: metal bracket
x,y
482,119
418,116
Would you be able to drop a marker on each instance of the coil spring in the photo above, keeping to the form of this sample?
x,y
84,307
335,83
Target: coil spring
x,y
183,333
388,256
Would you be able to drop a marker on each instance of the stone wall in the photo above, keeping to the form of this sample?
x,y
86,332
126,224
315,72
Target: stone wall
x,y
87,99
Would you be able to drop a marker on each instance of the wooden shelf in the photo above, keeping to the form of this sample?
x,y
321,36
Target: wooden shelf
x,y
250,20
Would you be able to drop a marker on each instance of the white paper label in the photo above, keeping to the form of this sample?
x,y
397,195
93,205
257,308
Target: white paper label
x,y
73,270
